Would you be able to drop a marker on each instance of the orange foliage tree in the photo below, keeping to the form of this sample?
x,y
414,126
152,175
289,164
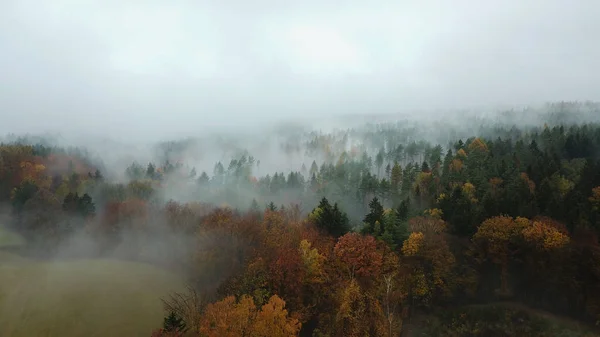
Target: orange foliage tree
x,y
359,254
496,238
231,318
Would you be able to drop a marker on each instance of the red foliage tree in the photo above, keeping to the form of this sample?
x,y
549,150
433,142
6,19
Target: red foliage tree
x,y
359,254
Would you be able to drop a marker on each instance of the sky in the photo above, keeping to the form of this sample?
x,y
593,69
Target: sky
x,y
133,69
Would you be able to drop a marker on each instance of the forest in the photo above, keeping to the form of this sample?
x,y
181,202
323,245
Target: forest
x,y
484,227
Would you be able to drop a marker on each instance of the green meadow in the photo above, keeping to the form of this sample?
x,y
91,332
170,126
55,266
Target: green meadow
x,y
79,297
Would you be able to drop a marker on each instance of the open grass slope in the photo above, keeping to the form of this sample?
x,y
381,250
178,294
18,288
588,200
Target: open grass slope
x,y
500,319
10,239
84,297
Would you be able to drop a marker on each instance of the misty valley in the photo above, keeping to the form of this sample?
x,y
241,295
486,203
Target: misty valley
x,y
466,225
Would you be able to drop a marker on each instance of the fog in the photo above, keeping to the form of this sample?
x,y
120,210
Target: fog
x,y
147,70
252,78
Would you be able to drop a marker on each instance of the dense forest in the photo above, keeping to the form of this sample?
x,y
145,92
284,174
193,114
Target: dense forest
x,y
383,229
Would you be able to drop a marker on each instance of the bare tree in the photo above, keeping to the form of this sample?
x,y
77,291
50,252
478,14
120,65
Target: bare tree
x,y
188,306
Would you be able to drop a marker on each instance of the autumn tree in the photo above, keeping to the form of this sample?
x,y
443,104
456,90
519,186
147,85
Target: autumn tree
x,y
496,238
360,255
358,314
313,262
427,254
231,318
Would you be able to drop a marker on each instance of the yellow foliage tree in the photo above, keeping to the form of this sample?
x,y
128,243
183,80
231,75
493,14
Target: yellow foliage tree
x,y
495,184
358,313
427,224
456,165
432,263
478,145
544,236
435,213
468,190
562,185
528,182
313,262
495,239
273,320
62,190
231,318
35,173
595,198
411,246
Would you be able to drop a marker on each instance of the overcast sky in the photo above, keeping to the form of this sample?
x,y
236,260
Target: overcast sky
x,y
158,68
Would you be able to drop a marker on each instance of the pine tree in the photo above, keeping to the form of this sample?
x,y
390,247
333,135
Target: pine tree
x,y
254,206
271,207
85,206
374,216
314,169
403,210
379,161
330,219
203,179
98,176
150,171
173,323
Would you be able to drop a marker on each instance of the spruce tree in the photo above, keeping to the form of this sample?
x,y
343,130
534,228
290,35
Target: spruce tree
x,y
173,323
330,219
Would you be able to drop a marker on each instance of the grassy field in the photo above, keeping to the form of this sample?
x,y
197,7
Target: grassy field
x,y
10,239
497,320
94,297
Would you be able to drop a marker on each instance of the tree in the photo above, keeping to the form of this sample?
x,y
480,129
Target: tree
x,y
394,230
21,194
403,209
496,239
150,171
314,169
357,314
271,207
379,161
135,171
98,176
140,189
431,262
228,318
396,180
359,254
41,215
330,219
273,320
446,165
545,236
374,218
254,206
388,171
173,323
80,206
313,262
203,179
231,318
